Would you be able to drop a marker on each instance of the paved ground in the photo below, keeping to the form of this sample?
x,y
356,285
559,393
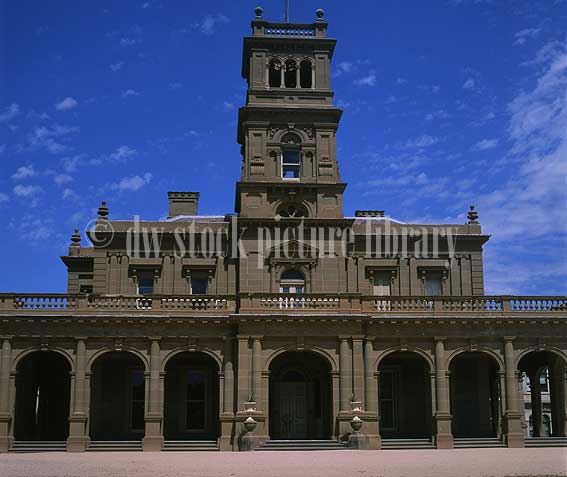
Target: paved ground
x,y
413,463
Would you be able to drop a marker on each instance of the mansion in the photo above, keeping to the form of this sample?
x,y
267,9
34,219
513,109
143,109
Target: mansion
x,y
286,324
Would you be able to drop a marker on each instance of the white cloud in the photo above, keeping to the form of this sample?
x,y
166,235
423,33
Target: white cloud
x,y
133,183
209,24
44,137
228,106
342,68
469,84
439,114
26,191
66,104
485,144
24,172
128,41
523,36
123,152
69,194
175,85
130,92
3,148
369,80
425,140
114,67
401,81
9,113
4,197
61,179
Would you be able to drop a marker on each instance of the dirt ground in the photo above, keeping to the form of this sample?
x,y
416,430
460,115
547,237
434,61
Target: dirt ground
x,y
414,463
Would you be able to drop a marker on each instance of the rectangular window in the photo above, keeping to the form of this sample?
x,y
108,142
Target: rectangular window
x,y
291,164
145,283
433,284
382,283
196,408
137,394
199,285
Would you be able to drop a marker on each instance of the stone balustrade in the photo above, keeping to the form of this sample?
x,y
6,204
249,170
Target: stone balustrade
x,y
270,303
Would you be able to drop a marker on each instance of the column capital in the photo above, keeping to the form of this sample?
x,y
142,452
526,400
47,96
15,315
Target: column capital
x,y
508,339
370,339
257,337
344,337
81,338
440,338
155,338
358,338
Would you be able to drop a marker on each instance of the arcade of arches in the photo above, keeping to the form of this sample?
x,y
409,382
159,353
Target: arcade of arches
x,y
155,395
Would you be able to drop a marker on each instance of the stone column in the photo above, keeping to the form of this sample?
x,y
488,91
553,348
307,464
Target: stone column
x,y
345,368
535,391
5,398
557,397
153,439
78,439
520,402
372,424
512,422
244,384
358,370
257,369
227,416
442,418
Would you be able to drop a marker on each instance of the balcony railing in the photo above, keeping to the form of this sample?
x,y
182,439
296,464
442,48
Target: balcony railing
x,y
276,303
81,303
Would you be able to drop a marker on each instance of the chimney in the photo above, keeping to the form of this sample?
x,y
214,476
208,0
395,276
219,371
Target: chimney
x,y
183,203
369,213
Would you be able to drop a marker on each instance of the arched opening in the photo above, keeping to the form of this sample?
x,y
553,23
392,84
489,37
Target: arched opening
x,y
292,211
191,408
306,74
405,396
543,396
117,397
275,73
43,390
290,74
475,395
300,397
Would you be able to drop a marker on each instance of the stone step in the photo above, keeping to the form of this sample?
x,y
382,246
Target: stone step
x,y
546,442
190,446
481,442
302,445
39,446
115,446
388,444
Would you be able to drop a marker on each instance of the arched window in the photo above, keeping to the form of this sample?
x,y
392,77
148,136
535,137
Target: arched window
x,y
275,73
306,74
292,281
290,74
291,157
293,211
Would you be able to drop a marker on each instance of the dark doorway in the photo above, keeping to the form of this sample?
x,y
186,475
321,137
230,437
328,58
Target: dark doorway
x,y
300,397
43,388
405,397
475,396
191,410
117,397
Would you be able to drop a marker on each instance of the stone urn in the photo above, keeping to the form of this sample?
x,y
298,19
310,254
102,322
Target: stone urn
x,y
250,424
250,406
356,406
356,424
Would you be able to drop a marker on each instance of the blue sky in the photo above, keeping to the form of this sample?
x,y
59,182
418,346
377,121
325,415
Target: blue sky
x,y
446,103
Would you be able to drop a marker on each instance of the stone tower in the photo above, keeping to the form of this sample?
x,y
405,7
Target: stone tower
x,y
288,127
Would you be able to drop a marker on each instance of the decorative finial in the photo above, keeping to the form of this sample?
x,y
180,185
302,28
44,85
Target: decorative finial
x,y
258,11
472,215
103,210
76,237
320,14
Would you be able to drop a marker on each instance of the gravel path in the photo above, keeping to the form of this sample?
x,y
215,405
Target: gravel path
x,y
412,463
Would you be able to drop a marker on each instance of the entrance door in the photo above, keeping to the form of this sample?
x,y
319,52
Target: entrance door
x,y
293,415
